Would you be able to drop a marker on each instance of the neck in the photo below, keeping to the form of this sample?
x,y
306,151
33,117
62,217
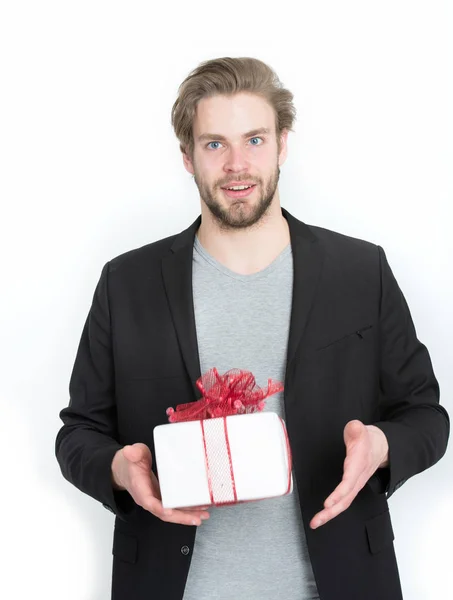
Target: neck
x,y
249,250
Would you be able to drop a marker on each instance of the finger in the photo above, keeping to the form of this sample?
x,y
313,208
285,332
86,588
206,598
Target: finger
x,y
341,505
137,452
328,514
342,490
351,484
155,485
184,518
353,431
355,468
193,516
154,505
171,515
144,496
356,471
149,498
202,513
355,455
198,507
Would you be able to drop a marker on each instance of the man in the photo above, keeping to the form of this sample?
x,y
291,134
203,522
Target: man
x,y
249,286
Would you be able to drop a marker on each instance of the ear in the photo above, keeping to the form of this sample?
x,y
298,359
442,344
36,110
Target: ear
x,y
283,147
188,164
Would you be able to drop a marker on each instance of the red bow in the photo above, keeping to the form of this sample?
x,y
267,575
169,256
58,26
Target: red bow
x,y
233,393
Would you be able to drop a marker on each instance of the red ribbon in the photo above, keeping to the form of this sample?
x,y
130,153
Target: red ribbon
x,y
233,393
219,465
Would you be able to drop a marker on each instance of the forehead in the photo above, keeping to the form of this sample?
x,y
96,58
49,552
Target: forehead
x,y
232,116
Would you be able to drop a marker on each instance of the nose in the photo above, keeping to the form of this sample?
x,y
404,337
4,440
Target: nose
x,y
236,160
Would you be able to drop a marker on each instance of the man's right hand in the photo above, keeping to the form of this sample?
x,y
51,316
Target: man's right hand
x,y
131,471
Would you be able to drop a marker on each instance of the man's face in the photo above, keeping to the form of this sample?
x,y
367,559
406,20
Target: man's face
x,y
230,149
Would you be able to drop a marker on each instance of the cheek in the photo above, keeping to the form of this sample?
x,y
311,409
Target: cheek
x,y
264,162
210,171
203,173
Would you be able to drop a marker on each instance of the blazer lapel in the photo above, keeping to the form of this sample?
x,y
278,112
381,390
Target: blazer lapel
x,y
308,256
177,278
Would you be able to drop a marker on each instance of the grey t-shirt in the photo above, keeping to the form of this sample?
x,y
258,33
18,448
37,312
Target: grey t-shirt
x,y
256,550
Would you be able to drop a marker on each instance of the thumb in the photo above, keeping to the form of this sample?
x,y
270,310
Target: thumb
x,y
137,452
353,431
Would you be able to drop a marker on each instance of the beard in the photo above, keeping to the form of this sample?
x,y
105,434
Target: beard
x,y
242,212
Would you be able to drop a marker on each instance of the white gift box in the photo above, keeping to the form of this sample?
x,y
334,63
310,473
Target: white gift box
x,y
223,460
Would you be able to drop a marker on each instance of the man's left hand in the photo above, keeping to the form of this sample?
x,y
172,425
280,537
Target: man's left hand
x,y
366,451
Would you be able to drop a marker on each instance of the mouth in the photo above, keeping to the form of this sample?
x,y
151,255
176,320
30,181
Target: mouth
x,y
239,193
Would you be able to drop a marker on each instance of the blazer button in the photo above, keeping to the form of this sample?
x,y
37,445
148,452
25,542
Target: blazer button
x,y
185,550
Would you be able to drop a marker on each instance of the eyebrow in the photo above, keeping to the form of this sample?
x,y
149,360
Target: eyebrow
x,y
218,136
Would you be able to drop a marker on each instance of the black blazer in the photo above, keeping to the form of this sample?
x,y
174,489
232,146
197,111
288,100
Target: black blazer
x,y
353,353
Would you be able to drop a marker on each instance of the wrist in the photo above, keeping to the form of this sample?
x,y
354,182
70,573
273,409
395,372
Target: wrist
x,y
115,470
382,446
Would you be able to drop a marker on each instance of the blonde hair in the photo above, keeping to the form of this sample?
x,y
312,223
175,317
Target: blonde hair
x,y
229,76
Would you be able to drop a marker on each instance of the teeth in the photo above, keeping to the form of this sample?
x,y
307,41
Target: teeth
x,y
239,187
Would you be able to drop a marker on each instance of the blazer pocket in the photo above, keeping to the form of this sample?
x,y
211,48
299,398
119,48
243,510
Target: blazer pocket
x,y
359,334
379,532
125,546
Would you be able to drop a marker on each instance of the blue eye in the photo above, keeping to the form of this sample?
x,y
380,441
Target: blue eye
x,y
254,138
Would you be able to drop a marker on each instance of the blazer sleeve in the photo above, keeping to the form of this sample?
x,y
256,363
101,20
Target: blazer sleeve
x,y
416,426
88,440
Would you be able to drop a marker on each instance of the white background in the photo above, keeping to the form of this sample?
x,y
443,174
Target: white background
x,y
90,168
